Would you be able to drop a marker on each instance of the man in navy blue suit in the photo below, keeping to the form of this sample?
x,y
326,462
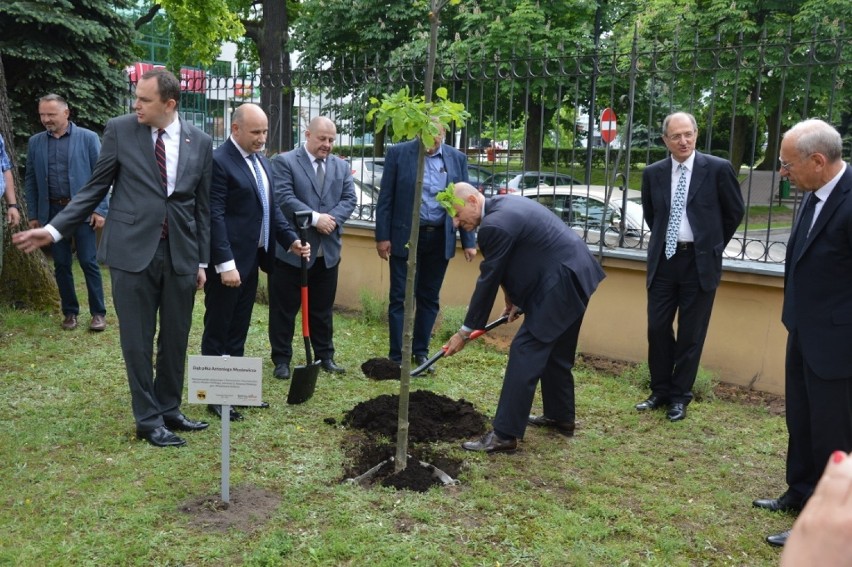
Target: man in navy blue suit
x,y
245,222
547,271
817,312
436,242
693,204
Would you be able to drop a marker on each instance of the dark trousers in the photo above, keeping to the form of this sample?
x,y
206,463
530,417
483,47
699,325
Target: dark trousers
x,y
85,239
431,267
141,298
227,313
819,419
531,360
673,361
285,301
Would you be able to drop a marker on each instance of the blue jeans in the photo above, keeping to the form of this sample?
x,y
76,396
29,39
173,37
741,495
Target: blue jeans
x,y
431,267
86,241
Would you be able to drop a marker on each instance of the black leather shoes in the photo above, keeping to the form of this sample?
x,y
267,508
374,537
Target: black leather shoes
x,y
677,412
784,503
565,428
419,359
328,365
282,371
653,402
181,423
491,443
778,540
160,437
217,410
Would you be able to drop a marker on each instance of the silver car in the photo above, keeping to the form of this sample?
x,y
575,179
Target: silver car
x,y
368,170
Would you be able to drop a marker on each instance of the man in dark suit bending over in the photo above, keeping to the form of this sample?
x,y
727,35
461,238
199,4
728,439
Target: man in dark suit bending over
x,y
817,312
693,204
156,242
547,271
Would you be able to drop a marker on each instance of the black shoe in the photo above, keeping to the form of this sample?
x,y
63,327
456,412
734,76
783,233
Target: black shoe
x,y
653,402
217,409
328,365
181,423
784,503
565,428
160,437
677,412
282,371
491,443
778,540
419,359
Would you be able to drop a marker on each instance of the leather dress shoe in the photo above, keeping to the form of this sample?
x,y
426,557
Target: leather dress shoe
x,y
98,323
565,428
491,443
70,322
419,359
328,365
217,410
677,412
778,540
784,503
282,371
160,437
181,423
653,402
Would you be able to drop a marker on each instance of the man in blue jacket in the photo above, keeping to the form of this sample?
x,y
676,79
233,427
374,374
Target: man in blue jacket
x,y
60,161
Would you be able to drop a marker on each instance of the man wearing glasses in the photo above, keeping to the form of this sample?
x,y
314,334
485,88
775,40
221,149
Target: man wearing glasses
x,y
817,312
693,204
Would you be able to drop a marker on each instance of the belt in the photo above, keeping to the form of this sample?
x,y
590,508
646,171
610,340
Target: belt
x,y
431,227
685,246
63,201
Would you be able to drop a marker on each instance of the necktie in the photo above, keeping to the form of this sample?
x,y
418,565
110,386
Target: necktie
x,y
803,228
261,193
678,203
160,154
320,174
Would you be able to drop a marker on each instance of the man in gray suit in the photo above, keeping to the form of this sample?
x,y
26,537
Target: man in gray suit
x,y
156,242
309,178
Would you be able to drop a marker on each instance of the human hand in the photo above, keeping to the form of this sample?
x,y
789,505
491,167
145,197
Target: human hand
x,y
383,247
820,535
96,221
32,239
34,223
469,254
13,217
456,343
200,278
230,278
299,250
326,223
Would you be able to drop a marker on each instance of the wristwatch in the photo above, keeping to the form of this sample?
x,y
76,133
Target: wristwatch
x,y
14,206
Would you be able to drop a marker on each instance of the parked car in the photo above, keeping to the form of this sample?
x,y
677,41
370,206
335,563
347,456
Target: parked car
x,y
367,197
476,174
491,185
584,209
368,170
503,183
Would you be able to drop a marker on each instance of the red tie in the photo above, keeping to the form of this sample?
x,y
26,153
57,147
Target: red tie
x,y
160,154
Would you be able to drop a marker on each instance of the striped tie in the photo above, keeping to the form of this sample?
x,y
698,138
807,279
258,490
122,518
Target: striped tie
x,y
160,154
261,193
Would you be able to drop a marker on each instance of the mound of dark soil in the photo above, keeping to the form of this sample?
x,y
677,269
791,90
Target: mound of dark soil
x,y
431,417
381,369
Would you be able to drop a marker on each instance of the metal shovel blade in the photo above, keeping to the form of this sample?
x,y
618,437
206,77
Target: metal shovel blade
x,y
303,383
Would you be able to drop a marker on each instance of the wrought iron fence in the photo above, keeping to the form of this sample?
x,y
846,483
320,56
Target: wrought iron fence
x,y
534,128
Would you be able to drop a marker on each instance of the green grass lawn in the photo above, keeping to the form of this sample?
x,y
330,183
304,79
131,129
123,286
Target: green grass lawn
x,y
628,489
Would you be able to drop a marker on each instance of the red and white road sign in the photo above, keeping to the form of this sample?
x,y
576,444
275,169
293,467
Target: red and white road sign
x,y
608,127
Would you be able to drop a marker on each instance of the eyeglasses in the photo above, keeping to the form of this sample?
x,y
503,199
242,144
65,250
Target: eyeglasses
x,y
688,136
788,165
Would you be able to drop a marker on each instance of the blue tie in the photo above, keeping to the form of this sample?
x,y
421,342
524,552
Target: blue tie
x,y
261,193
678,202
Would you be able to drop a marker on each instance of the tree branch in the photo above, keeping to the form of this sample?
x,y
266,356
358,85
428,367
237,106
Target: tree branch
x,y
152,13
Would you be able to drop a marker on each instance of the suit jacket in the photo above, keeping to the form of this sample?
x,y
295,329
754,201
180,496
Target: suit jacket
x,y
236,212
83,150
296,189
139,204
714,207
396,198
821,300
544,267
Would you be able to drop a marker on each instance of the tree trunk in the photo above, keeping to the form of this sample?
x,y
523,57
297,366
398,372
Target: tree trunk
x,y
276,92
739,135
536,118
27,279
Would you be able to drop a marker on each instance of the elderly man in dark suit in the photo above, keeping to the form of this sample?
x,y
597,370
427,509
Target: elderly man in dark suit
x,y
156,242
817,312
245,223
309,178
547,271
436,242
693,204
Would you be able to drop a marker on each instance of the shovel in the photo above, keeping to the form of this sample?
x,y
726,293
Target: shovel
x,y
477,333
304,379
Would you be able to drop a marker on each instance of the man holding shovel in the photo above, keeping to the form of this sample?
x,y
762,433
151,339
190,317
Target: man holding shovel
x,y
545,270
